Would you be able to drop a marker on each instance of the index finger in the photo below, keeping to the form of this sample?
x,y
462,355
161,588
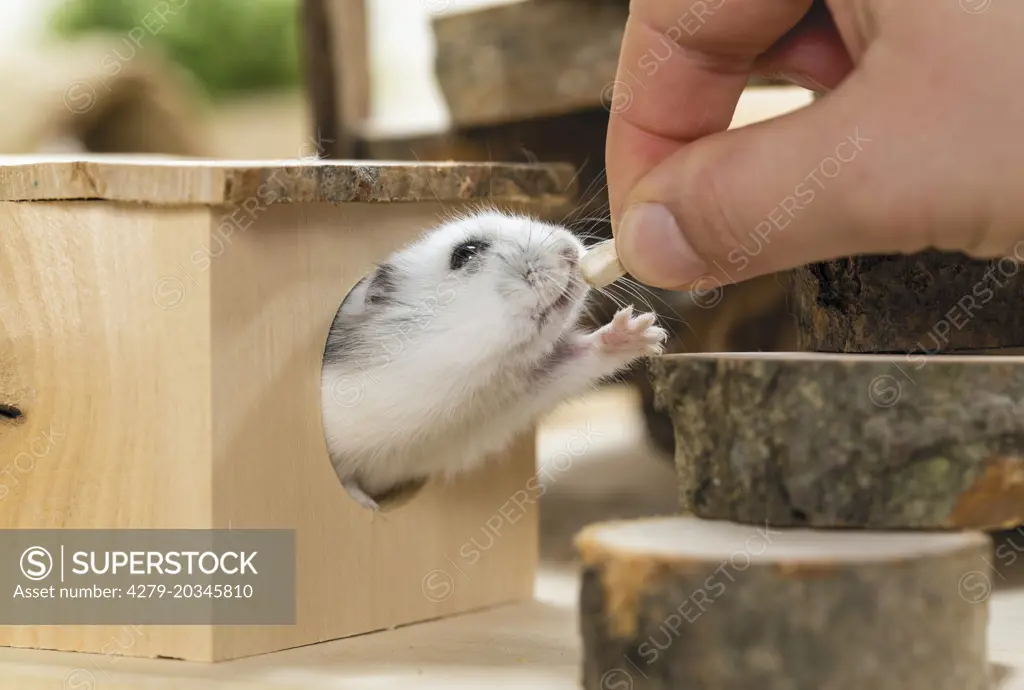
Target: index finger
x,y
682,68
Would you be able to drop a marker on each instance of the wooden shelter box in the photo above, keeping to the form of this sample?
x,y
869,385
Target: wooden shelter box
x,y
162,327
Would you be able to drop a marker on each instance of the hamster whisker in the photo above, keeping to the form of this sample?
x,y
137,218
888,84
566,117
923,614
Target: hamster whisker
x,y
579,171
588,239
643,289
673,317
639,293
529,236
548,278
589,219
592,228
637,297
599,214
529,239
598,185
551,236
586,310
576,281
588,225
585,234
612,296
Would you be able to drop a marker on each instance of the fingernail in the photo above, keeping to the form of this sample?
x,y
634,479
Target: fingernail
x,y
654,251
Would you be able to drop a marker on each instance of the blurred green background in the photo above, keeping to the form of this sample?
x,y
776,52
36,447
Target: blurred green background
x,y
231,46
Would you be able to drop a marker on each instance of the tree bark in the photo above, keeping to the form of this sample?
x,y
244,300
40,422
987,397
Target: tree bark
x,y
930,302
678,602
870,441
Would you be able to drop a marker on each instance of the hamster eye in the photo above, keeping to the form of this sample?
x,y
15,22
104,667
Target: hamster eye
x,y
466,251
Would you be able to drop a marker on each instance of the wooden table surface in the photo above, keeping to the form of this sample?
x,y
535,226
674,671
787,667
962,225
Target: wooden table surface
x,y
529,645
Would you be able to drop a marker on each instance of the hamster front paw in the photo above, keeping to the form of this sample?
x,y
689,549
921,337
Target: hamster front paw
x,y
631,336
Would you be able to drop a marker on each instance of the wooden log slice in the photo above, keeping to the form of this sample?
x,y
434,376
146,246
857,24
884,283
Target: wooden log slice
x,y
931,302
868,441
749,316
512,62
537,58
678,602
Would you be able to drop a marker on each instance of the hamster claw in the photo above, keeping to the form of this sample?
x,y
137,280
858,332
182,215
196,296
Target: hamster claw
x,y
622,318
645,321
656,338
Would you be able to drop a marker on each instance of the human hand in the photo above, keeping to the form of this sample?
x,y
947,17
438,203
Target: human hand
x,y
917,143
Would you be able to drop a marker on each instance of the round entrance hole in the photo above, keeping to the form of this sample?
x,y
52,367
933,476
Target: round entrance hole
x,y
345,392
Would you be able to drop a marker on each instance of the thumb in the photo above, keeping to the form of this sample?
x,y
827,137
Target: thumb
x,y
805,187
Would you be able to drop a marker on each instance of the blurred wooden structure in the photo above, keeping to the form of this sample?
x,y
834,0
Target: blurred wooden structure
x,y
336,55
90,95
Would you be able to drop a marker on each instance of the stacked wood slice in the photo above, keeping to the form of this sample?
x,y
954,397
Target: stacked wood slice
x,y
932,302
936,335
907,411
848,441
879,459
680,602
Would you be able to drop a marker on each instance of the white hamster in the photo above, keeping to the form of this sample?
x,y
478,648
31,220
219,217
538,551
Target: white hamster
x,y
456,344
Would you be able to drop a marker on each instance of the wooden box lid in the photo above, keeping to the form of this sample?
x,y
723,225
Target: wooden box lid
x,y
183,181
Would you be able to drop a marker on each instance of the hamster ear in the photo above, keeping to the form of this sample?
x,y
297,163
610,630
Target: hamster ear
x,y
381,287
372,290
354,297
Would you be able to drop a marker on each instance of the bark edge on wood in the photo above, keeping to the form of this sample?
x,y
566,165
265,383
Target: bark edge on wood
x,y
845,441
909,621
931,302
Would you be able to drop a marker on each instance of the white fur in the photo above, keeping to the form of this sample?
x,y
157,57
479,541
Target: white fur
x,y
448,375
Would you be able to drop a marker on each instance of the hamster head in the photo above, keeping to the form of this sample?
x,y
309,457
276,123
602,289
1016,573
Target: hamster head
x,y
485,283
